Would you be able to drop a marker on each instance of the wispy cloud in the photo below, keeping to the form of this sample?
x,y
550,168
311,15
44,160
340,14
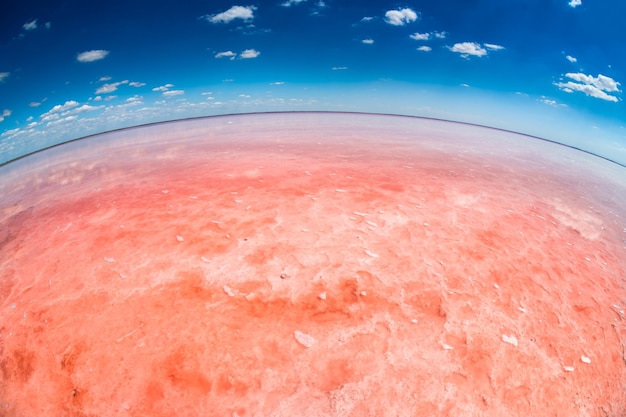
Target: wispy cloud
x,y
226,54
249,53
467,49
93,55
550,102
37,103
493,47
425,48
400,17
339,68
597,87
105,78
367,19
5,113
236,12
172,93
575,3
4,76
290,3
571,59
368,41
163,87
136,84
32,25
110,87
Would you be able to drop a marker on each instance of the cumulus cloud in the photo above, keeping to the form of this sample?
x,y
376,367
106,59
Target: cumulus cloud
x,y
4,76
575,3
467,49
597,87
368,41
110,87
93,55
172,93
136,84
226,54
420,36
249,53
426,36
571,59
425,48
400,17
163,87
32,25
236,12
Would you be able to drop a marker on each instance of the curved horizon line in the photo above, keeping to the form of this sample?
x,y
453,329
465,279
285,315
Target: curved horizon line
x,y
26,155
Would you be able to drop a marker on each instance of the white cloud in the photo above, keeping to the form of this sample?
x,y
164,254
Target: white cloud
x,y
249,53
5,113
339,68
468,48
32,25
34,104
136,84
172,93
400,17
368,41
226,54
4,76
597,87
425,48
163,87
493,47
235,12
420,36
551,102
106,78
111,87
571,59
93,55
63,107
367,19
440,35
277,83
575,3
290,3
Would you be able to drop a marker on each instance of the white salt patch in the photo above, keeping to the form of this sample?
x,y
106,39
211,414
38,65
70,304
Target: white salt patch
x,y
371,223
414,321
205,259
216,221
322,295
372,254
109,259
193,197
496,286
363,293
180,238
585,359
447,347
238,201
165,191
304,339
229,291
569,368
308,173
509,339
339,190
522,309
587,259
425,224
358,213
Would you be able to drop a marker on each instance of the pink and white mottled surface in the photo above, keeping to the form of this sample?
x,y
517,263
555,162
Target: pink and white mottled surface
x,y
312,264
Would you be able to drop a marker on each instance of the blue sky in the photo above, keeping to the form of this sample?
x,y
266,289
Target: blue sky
x,y
550,68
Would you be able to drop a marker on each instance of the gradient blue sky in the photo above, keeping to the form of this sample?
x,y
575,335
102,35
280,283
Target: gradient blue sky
x,y
550,68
